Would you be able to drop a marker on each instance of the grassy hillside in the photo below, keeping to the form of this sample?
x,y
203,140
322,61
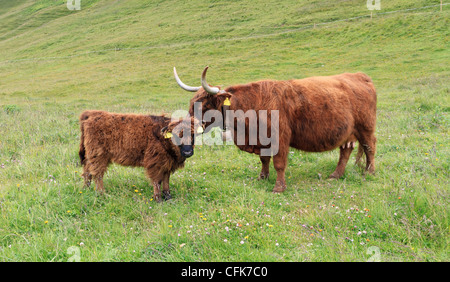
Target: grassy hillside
x,y
118,56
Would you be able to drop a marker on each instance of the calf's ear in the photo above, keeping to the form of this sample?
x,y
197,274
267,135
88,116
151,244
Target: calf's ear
x,y
165,132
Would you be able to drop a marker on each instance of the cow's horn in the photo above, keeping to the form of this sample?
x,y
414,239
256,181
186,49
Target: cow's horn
x,y
209,89
182,85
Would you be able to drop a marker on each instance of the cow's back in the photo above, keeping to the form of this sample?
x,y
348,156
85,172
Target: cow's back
x,y
327,109
316,113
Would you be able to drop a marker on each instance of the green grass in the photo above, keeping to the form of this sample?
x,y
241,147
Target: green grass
x,y
219,210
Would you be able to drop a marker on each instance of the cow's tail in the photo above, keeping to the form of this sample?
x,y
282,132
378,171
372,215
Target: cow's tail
x,y
359,156
82,152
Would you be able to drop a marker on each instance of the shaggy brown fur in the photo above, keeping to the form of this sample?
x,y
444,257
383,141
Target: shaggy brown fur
x,y
132,140
316,114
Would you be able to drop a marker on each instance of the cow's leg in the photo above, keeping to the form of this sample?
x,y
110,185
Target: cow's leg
x,y
345,152
368,142
166,188
280,163
157,191
265,160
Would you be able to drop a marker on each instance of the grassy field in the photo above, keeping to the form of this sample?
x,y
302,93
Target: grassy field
x,y
118,56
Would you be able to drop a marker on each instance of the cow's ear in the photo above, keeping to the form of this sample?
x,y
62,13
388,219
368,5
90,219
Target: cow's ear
x,y
223,98
224,95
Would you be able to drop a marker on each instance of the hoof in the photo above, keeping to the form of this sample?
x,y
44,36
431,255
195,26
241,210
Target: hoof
x,y
280,187
167,195
157,198
334,176
278,190
87,179
263,176
100,192
370,170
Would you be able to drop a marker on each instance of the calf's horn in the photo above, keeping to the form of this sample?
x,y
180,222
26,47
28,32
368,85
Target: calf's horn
x,y
205,85
182,85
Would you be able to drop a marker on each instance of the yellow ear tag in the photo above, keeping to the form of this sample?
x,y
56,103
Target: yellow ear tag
x,y
199,130
168,135
227,102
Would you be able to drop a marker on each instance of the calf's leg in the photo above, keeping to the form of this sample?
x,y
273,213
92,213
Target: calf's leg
x,y
87,177
166,188
99,184
157,181
96,168
157,191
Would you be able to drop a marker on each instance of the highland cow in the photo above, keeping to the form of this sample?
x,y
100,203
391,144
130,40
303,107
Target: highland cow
x,y
152,142
315,114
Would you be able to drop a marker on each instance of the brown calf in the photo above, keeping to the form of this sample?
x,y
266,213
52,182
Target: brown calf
x,y
135,140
